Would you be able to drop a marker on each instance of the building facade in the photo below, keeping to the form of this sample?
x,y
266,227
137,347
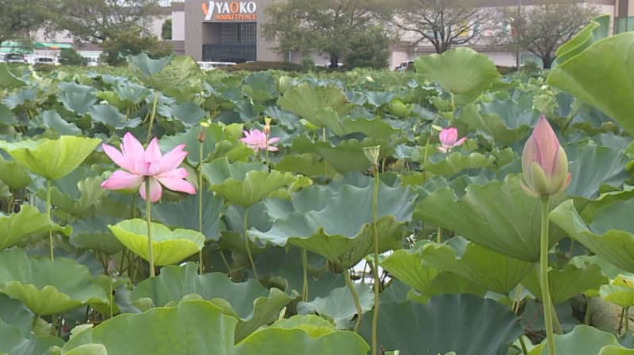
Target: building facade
x,y
232,31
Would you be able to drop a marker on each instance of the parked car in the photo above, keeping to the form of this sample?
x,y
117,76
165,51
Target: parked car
x,y
15,58
205,66
91,61
405,66
45,60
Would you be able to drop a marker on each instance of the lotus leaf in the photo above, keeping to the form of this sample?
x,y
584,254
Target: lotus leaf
x,y
321,106
493,215
480,265
601,78
192,327
14,174
14,342
147,65
77,98
346,157
47,287
592,167
170,246
51,159
342,232
276,341
455,162
315,326
26,223
251,303
338,305
610,235
53,120
460,71
485,326
583,340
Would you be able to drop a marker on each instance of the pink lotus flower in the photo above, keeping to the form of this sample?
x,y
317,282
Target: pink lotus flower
x,y
140,166
449,139
256,140
544,162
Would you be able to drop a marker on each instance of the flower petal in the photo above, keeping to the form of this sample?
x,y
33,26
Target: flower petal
x,y
172,159
153,152
178,185
132,148
121,180
117,157
460,141
274,140
156,191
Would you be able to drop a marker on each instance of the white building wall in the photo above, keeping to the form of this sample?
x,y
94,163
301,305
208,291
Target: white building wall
x,y
178,25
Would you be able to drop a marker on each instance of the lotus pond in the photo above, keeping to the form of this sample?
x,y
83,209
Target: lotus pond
x,y
156,209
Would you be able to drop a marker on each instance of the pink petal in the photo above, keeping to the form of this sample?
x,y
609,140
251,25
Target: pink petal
x,y
273,149
179,173
178,185
121,180
156,191
274,140
442,149
448,136
153,152
173,159
117,157
460,141
547,145
132,149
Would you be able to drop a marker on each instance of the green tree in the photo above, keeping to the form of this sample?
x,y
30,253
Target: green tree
x,y
166,29
97,21
69,56
126,43
442,23
19,19
326,26
541,29
369,49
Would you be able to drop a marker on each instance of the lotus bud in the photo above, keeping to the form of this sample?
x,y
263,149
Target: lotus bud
x,y
372,153
544,162
267,126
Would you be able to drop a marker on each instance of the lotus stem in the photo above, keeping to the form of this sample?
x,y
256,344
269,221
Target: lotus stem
x,y
152,116
375,273
439,235
148,218
355,299
305,270
626,319
543,270
246,243
50,221
587,318
201,265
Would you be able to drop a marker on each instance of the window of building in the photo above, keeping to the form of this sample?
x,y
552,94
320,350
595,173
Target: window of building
x,y
229,33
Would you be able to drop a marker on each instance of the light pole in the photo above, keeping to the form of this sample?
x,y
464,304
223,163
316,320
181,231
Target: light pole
x,y
518,25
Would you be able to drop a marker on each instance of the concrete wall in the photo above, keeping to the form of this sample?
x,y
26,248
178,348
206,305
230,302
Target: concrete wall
x,y
178,25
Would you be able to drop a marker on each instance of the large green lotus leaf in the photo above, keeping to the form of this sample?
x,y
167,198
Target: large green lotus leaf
x,y
51,159
192,327
499,216
184,213
601,78
597,29
76,98
277,341
313,325
47,287
261,87
93,233
26,223
147,65
622,296
306,164
376,127
249,301
493,122
407,266
14,174
14,342
321,106
462,323
345,157
583,340
242,184
460,70
7,117
110,116
88,349
615,350
453,163
338,305
189,114
594,166
213,135
169,246
480,265
55,123
132,94
567,282
8,79
610,235
341,231
13,312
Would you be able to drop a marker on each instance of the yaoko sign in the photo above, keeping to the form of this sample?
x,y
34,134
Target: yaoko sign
x,y
230,10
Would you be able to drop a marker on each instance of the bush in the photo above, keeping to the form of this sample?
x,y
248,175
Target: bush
x,y
262,66
117,48
69,56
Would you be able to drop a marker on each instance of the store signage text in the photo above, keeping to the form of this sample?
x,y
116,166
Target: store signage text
x,y
230,10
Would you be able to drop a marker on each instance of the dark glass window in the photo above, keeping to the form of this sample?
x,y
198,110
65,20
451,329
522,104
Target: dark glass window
x,y
229,33
247,33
